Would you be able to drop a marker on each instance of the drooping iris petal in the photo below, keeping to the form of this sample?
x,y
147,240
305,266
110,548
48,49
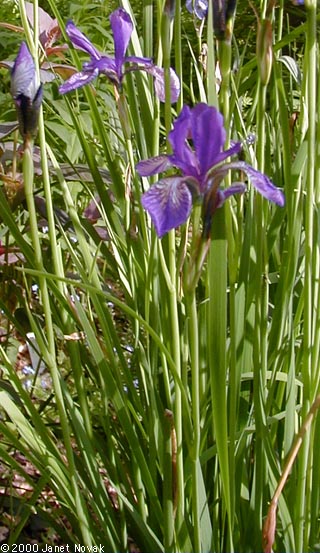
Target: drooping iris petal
x,y
77,80
153,165
122,27
168,203
159,83
81,41
260,181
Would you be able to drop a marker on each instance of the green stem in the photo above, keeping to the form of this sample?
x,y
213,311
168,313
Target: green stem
x,y
195,396
304,469
50,355
260,333
166,36
178,52
217,351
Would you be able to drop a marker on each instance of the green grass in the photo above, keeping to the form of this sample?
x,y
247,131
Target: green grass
x,y
174,401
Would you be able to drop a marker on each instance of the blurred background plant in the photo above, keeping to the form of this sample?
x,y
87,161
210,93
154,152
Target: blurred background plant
x,y
137,412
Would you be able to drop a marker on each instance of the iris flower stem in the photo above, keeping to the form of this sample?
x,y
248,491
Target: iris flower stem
x,y
305,464
125,122
211,75
225,58
55,251
178,52
195,395
26,28
166,33
260,333
50,357
216,349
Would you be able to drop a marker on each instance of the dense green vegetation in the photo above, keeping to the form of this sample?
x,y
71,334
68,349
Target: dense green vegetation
x,y
152,389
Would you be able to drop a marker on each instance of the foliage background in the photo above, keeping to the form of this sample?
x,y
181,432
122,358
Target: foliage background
x,y
163,418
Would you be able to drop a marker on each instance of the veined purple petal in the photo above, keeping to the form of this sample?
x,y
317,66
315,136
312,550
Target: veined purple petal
x,y
79,40
122,27
77,80
235,188
153,165
260,181
168,203
159,83
208,136
23,75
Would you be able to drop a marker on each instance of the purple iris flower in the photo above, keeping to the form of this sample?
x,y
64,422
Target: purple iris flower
x,y
115,68
169,201
199,7
26,91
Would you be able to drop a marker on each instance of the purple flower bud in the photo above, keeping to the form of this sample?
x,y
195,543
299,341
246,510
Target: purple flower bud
x,y
223,12
200,7
26,92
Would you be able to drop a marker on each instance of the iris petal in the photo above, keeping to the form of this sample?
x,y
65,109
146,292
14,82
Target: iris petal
x,y
81,41
159,83
235,188
77,80
23,75
200,7
168,203
122,27
153,165
26,91
183,157
147,62
208,135
260,181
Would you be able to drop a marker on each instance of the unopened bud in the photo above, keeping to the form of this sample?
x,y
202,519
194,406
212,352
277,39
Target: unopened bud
x,y
26,91
264,50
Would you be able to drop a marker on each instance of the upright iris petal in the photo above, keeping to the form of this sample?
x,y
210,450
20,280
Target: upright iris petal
x,y
197,141
208,136
183,156
122,28
26,91
116,68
